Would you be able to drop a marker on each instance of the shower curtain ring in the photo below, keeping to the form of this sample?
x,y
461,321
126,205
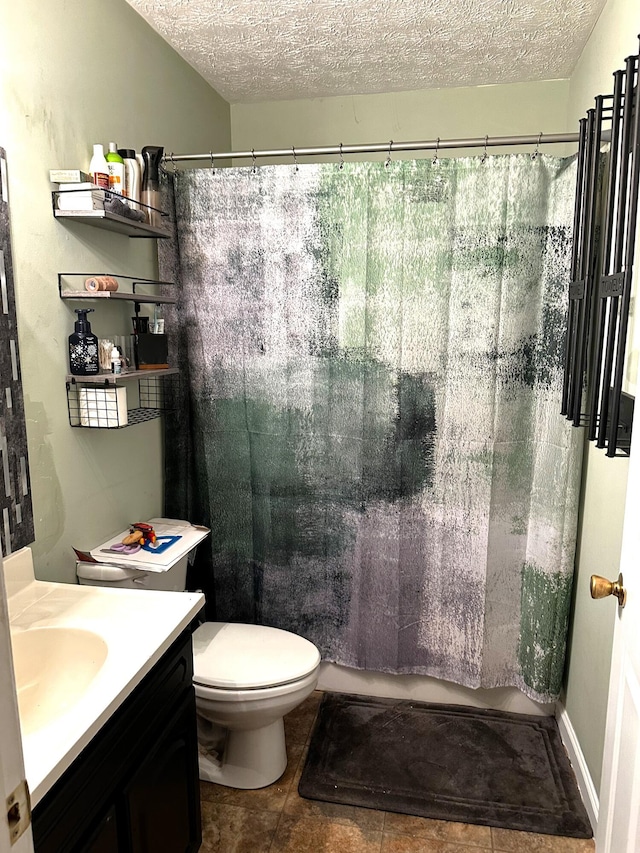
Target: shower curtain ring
x,y
435,161
387,162
295,159
484,154
174,168
534,156
213,168
253,162
341,158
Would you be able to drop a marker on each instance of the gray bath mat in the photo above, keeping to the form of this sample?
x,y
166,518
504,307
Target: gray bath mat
x,y
447,762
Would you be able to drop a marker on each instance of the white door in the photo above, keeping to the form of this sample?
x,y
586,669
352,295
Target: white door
x,y
619,819
11,763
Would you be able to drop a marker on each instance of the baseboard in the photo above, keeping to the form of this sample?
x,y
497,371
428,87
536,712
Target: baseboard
x,y
583,776
422,688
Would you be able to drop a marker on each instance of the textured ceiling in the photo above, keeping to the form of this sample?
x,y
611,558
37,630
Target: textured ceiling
x,y
257,50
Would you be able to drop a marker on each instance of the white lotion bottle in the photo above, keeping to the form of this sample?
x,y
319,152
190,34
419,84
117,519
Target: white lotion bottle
x,y
116,361
98,168
132,176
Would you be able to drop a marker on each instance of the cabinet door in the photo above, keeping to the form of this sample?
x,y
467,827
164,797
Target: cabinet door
x,y
163,798
105,838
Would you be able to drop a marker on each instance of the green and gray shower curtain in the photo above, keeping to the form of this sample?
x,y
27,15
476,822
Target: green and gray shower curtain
x,y
373,360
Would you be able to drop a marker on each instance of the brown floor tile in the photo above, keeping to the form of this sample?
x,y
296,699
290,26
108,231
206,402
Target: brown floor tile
x,y
296,806
298,724
229,829
271,798
312,835
509,841
299,807
392,843
438,830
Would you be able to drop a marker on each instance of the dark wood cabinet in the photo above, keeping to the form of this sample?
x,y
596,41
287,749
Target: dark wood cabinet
x,y
135,788
105,837
158,788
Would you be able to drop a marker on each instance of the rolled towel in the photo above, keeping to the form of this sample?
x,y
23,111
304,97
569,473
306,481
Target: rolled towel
x,y
135,215
100,282
121,208
116,205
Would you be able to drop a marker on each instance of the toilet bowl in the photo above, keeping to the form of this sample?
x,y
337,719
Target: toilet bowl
x,y
246,678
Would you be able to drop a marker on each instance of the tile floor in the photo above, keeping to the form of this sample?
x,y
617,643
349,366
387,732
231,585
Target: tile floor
x,y
277,820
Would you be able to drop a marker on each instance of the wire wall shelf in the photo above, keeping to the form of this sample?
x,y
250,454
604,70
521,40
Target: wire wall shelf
x,y
106,402
71,286
157,227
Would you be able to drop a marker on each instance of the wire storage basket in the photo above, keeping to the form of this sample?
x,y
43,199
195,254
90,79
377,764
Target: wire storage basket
x,y
114,403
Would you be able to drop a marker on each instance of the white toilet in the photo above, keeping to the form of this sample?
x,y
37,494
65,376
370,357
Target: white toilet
x,y
246,678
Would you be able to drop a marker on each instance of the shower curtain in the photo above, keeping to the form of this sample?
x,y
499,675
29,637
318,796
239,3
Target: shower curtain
x,y
372,366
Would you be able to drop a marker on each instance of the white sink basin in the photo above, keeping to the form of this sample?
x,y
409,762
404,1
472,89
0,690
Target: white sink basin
x,y
54,667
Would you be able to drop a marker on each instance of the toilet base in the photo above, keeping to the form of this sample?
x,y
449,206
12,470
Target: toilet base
x,y
252,758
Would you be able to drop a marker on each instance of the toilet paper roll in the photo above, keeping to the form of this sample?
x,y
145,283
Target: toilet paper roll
x,y
100,282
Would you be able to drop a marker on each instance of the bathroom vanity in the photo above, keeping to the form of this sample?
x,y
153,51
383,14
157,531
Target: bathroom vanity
x,y
135,787
107,714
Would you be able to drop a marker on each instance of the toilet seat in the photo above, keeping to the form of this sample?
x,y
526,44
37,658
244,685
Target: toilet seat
x,y
229,656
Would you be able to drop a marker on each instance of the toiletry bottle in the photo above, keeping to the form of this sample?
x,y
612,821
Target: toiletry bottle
x,y
132,176
98,168
115,165
140,162
152,155
156,322
116,361
83,347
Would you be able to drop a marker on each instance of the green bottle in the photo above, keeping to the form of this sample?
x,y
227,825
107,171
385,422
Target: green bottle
x,y
115,164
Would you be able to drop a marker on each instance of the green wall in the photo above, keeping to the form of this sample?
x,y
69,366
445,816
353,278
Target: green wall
x,y
513,108
75,72
605,480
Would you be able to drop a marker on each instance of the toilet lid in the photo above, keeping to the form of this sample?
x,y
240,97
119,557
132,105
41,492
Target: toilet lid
x,y
236,656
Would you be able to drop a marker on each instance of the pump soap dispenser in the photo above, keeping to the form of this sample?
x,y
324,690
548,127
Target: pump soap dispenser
x,y
83,347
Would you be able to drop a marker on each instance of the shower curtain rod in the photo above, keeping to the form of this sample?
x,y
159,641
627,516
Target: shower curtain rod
x,y
434,145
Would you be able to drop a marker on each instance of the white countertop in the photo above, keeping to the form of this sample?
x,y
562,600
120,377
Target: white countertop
x,y
138,626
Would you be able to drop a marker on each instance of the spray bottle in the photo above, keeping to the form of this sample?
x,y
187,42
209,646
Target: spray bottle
x,y
152,156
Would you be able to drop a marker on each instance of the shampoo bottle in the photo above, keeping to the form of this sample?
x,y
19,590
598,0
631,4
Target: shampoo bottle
x,y
83,347
98,168
132,176
115,164
152,155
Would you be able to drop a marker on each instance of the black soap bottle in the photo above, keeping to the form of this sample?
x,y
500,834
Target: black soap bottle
x,y
83,347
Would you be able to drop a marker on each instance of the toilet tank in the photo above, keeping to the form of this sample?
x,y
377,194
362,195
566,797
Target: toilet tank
x,y
165,570
105,574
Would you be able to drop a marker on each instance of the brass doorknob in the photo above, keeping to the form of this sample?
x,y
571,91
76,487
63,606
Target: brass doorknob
x,y
601,587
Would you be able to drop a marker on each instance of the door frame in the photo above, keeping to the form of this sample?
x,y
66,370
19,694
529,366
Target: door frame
x,y
11,758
